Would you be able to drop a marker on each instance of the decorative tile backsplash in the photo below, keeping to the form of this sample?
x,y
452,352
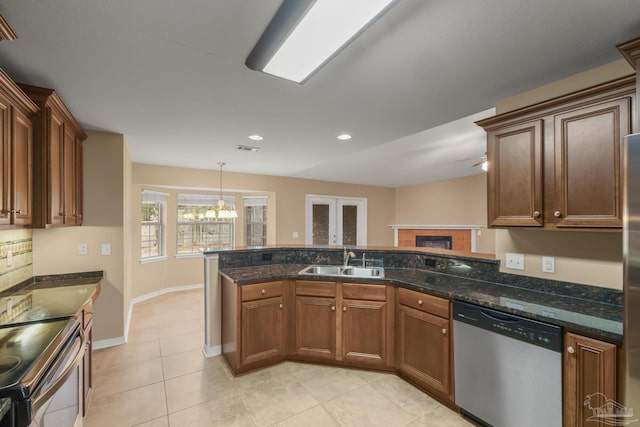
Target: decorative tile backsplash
x,y
19,243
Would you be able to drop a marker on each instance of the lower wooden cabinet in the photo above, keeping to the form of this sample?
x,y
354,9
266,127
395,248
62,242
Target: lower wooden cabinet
x,y
315,324
589,379
423,341
253,326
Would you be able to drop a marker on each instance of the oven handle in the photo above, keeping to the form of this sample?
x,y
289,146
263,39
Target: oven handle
x,y
48,394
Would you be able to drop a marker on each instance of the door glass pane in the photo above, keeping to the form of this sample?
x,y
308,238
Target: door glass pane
x,y
349,225
320,224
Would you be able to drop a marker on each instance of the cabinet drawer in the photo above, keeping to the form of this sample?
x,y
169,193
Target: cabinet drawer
x,y
364,291
424,302
261,290
87,314
315,288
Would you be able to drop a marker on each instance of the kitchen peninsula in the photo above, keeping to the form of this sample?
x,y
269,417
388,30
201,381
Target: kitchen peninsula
x,y
269,312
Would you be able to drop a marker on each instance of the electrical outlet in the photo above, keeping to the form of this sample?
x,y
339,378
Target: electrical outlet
x,y
548,264
295,235
9,258
83,249
106,249
515,261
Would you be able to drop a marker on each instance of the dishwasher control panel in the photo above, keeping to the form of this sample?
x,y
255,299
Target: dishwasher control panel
x,y
510,325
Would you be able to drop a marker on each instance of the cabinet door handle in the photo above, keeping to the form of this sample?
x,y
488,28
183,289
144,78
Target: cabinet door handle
x,y
263,292
536,214
281,306
444,331
14,211
557,214
571,350
344,308
333,308
419,302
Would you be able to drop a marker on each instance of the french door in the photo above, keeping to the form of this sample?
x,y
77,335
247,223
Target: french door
x,y
336,221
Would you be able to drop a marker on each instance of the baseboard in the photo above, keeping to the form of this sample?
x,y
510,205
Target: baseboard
x,y
208,351
110,342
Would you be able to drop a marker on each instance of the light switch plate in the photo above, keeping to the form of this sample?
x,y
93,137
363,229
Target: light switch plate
x,y
83,249
9,258
515,261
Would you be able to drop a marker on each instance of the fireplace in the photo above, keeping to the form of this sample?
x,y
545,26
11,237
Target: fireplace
x,y
439,242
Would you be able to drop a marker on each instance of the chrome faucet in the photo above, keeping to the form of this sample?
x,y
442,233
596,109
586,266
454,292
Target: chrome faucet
x,y
347,256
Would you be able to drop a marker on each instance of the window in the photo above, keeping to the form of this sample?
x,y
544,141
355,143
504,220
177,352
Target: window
x,y
198,231
152,224
255,210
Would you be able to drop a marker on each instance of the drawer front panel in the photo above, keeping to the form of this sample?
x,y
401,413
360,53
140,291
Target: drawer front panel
x,y
424,302
261,290
364,291
316,288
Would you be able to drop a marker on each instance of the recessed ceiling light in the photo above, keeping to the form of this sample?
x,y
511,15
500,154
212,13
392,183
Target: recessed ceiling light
x,y
344,137
256,137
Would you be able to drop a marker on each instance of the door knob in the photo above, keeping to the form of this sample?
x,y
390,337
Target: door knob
x,y
344,308
263,292
536,214
444,331
571,350
557,214
419,302
333,308
281,306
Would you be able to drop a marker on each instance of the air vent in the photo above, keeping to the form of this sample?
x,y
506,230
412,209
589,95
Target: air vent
x,y
247,148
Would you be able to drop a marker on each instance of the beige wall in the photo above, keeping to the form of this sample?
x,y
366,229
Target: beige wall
x,y
55,250
286,207
460,201
586,257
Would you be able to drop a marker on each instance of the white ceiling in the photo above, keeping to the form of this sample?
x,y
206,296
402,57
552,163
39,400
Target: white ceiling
x,y
170,76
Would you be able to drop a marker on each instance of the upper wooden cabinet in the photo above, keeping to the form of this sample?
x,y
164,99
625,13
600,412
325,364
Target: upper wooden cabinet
x,y
16,155
58,161
557,164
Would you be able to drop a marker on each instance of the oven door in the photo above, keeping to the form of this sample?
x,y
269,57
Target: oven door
x,y
56,401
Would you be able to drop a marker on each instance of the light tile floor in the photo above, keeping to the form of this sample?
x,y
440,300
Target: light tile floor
x,y
161,378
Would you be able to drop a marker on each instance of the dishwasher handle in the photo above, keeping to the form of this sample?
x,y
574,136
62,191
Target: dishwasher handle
x,y
498,317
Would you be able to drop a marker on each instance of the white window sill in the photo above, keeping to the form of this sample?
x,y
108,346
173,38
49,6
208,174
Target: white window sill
x,y
153,259
190,255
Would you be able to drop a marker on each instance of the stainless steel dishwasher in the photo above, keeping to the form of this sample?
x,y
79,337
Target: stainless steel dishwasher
x,y
508,369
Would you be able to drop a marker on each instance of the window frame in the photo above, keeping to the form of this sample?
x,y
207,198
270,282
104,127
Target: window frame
x,y
203,202
255,202
159,199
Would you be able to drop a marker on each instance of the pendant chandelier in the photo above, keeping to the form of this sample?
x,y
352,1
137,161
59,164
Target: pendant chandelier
x,y
221,210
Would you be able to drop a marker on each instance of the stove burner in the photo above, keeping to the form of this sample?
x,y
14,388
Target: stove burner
x,y
8,364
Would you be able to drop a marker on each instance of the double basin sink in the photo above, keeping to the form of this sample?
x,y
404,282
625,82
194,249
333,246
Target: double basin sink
x,y
343,271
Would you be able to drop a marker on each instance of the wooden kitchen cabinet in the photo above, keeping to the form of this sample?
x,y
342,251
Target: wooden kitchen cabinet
x,y
557,164
16,155
253,332
315,329
423,341
58,161
589,378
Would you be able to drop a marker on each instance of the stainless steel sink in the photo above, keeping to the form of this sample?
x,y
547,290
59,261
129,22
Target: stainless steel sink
x,y
346,271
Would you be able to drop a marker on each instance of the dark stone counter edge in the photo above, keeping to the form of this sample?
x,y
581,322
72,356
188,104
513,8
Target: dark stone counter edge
x,y
55,280
569,327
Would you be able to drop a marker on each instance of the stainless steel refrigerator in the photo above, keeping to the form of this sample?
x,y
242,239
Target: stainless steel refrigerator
x,y
631,255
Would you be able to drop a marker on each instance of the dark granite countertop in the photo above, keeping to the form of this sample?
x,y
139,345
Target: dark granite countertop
x,y
48,297
571,307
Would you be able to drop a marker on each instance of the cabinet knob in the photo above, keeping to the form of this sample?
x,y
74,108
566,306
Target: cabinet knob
x,y
536,214
333,308
557,214
263,292
571,350
444,331
281,306
344,308
419,302
18,211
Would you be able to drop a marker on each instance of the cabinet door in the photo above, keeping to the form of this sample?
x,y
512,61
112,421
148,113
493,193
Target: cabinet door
x,y
364,331
589,379
316,327
79,183
262,330
515,175
5,162
69,178
424,349
55,196
587,164
22,170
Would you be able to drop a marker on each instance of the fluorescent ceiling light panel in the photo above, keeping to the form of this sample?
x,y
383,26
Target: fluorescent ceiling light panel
x,y
323,28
